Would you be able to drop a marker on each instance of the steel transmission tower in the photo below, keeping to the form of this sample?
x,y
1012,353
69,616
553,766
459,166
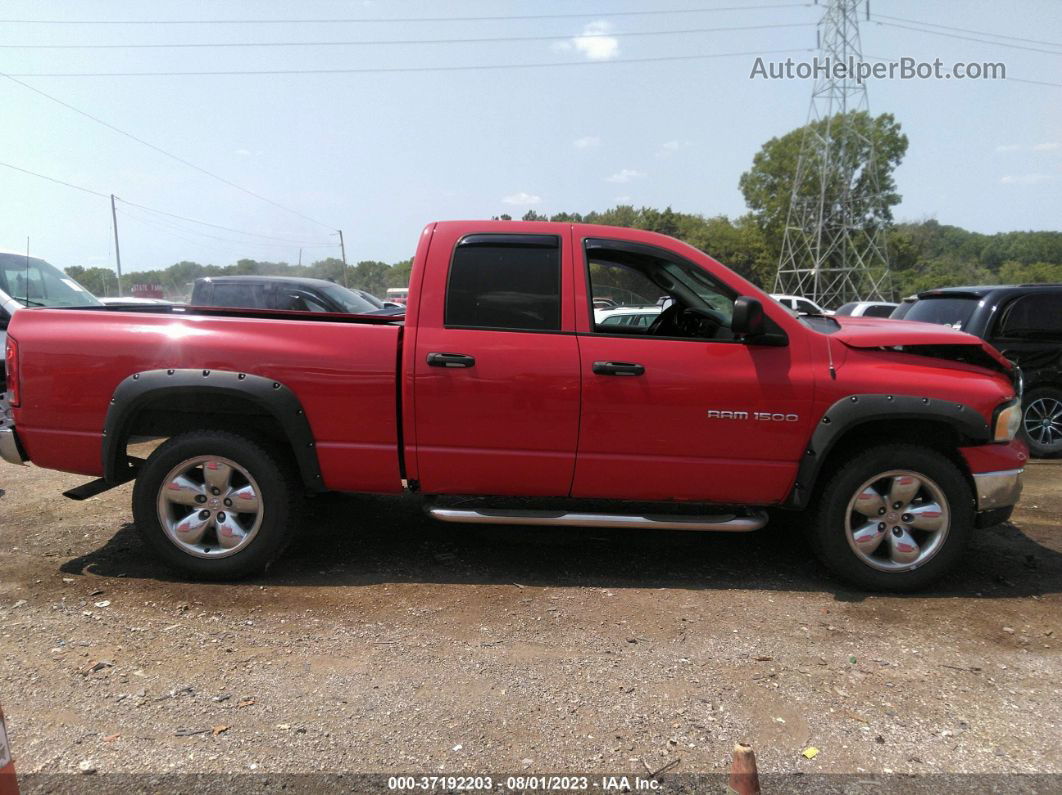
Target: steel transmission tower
x,y
833,251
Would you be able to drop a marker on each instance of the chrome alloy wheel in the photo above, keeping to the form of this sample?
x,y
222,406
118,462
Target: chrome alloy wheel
x,y
210,507
897,521
1043,421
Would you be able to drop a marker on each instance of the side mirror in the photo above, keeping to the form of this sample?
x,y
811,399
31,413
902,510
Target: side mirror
x,y
748,318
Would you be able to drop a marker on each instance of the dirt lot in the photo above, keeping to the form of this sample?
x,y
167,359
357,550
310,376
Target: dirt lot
x,y
386,642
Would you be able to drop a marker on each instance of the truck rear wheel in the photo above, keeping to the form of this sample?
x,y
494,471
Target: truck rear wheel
x,y
215,505
893,518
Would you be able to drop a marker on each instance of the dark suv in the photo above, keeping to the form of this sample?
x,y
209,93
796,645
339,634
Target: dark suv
x,y
294,293
1025,323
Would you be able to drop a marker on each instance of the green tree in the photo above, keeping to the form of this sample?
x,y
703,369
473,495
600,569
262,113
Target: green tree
x,y
767,185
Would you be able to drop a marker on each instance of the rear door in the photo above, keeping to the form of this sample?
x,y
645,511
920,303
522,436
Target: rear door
x,y
496,364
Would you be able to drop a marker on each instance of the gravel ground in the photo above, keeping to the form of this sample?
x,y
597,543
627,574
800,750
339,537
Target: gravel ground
x,y
385,642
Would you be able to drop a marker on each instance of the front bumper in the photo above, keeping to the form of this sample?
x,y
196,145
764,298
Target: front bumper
x,y
998,489
10,449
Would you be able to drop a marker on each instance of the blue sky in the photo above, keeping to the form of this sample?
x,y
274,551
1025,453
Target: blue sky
x,y
380,154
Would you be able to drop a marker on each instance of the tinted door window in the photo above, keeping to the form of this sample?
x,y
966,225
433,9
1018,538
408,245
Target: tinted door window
x,y
244,296
299,301
878,310
505,281
806,307
1033,316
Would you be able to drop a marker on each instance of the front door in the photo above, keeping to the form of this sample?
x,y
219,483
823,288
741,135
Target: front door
x,y
681,410
496,369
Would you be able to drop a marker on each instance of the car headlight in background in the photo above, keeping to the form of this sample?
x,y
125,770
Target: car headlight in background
x,y
1008,420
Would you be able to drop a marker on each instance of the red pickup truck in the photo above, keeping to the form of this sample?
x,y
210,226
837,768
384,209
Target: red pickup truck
x,y
897,438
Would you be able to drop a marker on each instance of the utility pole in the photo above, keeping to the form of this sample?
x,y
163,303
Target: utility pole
x,y
343,254
117,253
832,252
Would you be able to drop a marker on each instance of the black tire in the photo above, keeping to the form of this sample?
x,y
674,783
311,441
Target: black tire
x,y
1045,401
279,495
828,532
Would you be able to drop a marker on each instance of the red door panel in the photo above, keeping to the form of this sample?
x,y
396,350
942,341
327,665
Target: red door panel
x,y
686,428
508,424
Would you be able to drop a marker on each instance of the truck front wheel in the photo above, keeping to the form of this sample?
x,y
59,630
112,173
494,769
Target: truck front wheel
x,y
893,518
214,504
1041,422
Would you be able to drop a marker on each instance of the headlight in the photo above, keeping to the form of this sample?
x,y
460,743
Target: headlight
x,y
1008,420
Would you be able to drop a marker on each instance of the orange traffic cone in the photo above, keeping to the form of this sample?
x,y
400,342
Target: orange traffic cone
x,y
8,782
744,779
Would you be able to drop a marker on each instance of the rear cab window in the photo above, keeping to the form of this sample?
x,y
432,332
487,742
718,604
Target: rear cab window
x,y
944,311
505,282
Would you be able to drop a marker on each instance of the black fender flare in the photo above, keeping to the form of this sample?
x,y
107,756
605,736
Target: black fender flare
x,y
855,410
276,399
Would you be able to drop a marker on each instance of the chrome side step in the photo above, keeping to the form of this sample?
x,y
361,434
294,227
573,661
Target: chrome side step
x,y
729,523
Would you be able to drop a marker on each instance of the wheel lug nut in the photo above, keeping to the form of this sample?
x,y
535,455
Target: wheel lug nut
x,y
896,505
881,526
897,531
204,514
881,511
907,517
200,498
216,491
228,503
221,517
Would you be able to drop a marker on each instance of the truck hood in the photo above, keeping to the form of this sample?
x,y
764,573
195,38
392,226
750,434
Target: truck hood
x,y
926,339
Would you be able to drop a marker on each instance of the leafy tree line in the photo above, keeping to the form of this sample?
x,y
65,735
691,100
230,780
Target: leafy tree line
x,y
923,255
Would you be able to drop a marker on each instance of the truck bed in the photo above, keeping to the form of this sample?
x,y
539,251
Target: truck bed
x,y
341,367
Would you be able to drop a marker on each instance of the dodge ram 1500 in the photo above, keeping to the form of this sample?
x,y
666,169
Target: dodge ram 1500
x,y
896,438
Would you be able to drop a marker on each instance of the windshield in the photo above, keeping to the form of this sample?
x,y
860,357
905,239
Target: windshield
x,y
348,299
33,282
954,312
372,299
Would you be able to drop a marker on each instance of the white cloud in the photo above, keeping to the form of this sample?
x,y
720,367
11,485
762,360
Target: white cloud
x,y
669,148
624,200
625,175
586,142
1047,146
593,42
1026,179
522,198
1008,148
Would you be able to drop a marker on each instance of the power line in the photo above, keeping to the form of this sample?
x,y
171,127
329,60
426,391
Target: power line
x,y
162,151
967,38
218,226
201,243
57,181
370,42
968,30
404,69
343,20
162,224
285,241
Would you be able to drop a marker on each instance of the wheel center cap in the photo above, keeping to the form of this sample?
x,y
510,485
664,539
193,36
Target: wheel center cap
x,y
892,517
215,502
